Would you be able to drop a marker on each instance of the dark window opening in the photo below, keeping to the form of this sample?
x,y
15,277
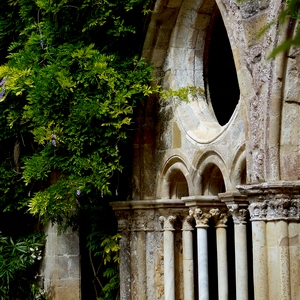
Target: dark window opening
x,y
212,181
179,187
231,260
221,77
212,260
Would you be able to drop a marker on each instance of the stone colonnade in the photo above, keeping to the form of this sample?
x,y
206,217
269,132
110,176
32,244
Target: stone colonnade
x,y
151,267
275,214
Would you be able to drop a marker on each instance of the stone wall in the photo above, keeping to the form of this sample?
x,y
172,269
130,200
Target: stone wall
x,y
61,265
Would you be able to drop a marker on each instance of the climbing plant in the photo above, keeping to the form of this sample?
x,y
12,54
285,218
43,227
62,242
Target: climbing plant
x,y
70,78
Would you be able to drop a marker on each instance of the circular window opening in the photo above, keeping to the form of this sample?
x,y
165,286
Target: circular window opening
x,y
221,78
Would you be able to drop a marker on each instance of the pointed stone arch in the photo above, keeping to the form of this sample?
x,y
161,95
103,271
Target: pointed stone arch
x,y
211,174
175,181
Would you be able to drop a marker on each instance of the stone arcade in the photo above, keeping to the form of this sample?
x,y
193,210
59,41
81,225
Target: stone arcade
x,y
214,212
216,191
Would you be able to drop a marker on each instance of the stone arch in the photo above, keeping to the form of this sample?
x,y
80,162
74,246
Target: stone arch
x,y
175,45
238,173
174,181
211,176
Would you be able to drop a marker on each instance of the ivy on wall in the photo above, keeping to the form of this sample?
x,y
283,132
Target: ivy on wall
x,y
70,77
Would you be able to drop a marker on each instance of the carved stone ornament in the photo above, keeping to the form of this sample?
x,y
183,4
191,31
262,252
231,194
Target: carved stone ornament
x,y
273,201
188,222
140,221
201,218
277,209
258,210
167,223
238,215
219,218
143,220
124,220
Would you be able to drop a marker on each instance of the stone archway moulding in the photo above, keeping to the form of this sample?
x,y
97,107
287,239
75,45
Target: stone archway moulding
x,y
238,166
172,164
203,162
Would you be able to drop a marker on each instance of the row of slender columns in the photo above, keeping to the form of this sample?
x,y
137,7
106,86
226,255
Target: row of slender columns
x,y
202,219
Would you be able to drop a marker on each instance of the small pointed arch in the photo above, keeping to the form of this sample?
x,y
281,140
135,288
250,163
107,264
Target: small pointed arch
x,y
174,181
212,180
238,172
175,184
211,174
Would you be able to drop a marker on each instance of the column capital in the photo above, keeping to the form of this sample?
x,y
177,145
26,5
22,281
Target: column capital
x,y
237,205
124,220
201,218
219,217
167,223
273,201
187,224
238,214
143,220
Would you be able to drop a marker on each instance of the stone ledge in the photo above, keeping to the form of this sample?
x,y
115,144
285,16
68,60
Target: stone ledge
x,y
147,204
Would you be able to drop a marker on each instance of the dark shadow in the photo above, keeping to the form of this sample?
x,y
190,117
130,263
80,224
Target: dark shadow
x,y
221,78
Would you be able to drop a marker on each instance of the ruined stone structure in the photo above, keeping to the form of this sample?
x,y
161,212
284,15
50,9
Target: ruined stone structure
x,y
216,180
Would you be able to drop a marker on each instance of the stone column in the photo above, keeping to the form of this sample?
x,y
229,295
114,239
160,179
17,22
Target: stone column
x,y
169,264
140,221
260,260
278,204
220,221
240,245
188,262
283,208
125,258
284,259
202,225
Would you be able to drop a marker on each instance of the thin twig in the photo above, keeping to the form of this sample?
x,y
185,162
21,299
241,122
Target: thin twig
x,y
94,271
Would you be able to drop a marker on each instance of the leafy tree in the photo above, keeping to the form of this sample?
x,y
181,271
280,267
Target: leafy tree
x,y
70,77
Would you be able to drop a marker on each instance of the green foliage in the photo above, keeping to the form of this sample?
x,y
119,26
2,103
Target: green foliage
x,y
182,93
16,258
108,249
70,77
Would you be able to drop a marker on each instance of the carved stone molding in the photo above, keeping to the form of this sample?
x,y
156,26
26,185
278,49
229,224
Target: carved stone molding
x,y
201,217
275,209
167,223
142,215
273,201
